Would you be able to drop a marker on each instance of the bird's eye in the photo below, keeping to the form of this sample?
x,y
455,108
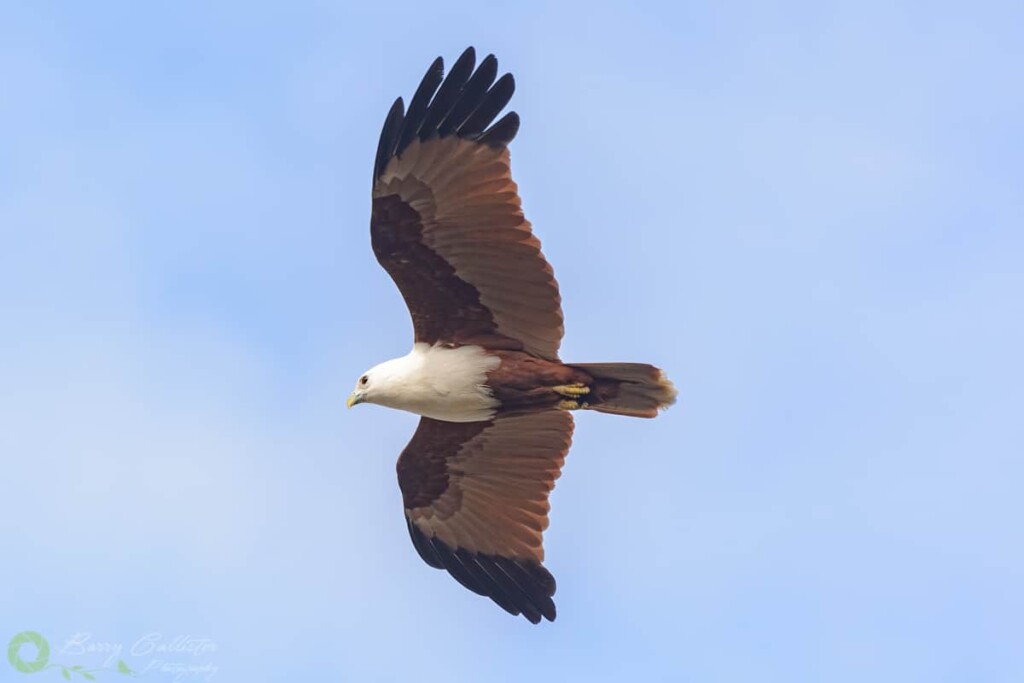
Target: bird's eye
x,y
363,380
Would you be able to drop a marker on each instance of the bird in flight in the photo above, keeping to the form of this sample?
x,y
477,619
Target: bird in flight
x,y
484,374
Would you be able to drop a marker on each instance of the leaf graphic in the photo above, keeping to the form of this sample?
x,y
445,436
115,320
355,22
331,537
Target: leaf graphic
x,y
66,674
77,667
42,652
88,676
123,668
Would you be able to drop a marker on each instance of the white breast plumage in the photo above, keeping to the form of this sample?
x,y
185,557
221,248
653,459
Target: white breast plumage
x,y
438,382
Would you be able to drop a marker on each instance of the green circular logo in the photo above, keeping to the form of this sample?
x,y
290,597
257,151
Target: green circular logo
x,y
42,652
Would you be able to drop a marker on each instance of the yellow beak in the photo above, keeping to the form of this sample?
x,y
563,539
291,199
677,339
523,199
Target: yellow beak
x,y
352,400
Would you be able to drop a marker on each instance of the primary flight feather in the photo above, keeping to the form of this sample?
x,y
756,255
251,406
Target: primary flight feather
x,y
484,373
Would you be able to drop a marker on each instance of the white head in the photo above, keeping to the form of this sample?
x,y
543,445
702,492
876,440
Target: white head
x,y
438,382
382,384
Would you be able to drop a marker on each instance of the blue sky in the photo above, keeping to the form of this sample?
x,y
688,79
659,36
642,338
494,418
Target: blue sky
x,y
810,214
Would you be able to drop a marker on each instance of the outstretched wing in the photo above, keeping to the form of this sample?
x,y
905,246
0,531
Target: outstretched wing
x,y
476,503
447,222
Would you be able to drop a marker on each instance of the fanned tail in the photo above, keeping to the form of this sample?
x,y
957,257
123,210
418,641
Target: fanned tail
x,y
634,389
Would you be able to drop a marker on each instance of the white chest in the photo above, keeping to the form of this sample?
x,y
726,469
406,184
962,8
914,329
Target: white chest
x,y
441,383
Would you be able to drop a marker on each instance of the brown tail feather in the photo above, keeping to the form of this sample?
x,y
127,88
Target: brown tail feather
x,y
634,389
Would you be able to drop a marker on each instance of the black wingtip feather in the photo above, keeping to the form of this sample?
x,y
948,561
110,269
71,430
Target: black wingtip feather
x,y
418,105
448,94
502,133
525,599
517,586
471,96
491,105
388,137
534,580
455,567
493,587
464,104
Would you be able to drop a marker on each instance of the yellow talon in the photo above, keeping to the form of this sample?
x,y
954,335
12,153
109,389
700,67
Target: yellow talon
x,y
568,404
572,390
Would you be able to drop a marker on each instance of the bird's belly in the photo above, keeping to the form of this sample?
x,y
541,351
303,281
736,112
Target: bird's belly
x,y
470,403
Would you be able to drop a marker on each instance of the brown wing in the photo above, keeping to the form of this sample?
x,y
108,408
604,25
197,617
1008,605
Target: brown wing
x,y
447,222
476,503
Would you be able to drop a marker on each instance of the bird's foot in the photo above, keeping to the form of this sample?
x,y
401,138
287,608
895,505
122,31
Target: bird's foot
x,y
572,404
571,390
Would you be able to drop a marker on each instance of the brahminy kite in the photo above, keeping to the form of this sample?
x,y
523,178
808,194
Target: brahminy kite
x,y
484,375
